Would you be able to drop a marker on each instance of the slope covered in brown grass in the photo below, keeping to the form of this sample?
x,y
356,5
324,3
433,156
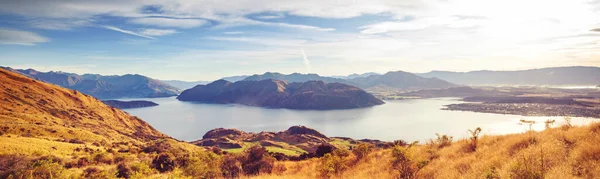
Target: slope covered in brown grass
x,y
34,109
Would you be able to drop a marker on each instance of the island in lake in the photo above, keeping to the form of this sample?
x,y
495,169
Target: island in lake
x,y
129,104
317,95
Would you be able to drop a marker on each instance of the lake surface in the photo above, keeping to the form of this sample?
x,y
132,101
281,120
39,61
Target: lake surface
x,y
409,120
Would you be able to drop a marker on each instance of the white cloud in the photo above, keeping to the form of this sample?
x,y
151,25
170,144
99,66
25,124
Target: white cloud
x,y
170,22
157,32
276,16
127,32
16,37
59,24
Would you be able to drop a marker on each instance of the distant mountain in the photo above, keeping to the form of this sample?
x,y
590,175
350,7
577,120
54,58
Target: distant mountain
x,y
355,75
280,94
105,87
33,108
184,84
235,78
576,75
462,91
400,80
295,77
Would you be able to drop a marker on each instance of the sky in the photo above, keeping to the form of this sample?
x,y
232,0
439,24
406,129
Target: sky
x,y
209,39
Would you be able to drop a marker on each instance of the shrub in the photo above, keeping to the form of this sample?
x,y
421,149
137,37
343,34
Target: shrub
x,y
404,163
257,161
11,164
123,171
362,151
44,167
140,170
441,141
103,158
163,162
323,149
204,165
96,173
231,167
332,164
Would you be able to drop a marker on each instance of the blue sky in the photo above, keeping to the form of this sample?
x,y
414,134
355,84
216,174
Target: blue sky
x,y
206,40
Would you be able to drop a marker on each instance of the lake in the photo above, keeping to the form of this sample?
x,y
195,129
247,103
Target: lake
x,y
409,120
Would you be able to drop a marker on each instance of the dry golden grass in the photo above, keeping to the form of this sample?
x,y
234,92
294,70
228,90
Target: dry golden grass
x,y
553,153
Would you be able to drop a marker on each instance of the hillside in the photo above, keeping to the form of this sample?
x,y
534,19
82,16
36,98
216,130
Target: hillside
x,y
280,94
105,87
577,75
295,141
33,108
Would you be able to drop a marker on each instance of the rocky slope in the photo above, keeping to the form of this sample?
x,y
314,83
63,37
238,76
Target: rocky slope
x,y
33,108
105,87
280,94
129,104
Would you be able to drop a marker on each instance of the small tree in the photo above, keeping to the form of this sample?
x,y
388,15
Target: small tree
x,y
474,138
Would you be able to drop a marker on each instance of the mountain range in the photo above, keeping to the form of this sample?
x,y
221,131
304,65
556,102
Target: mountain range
x,y
184,84
281,94
356,75
105,87
397,80
575,75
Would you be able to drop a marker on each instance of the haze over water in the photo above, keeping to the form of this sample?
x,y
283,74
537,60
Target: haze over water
x,y
409,120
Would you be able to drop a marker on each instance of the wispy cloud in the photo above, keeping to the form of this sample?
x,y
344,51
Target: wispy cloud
x,y
17,37
157,32
59,24
305,61
127,32
273,16
170,22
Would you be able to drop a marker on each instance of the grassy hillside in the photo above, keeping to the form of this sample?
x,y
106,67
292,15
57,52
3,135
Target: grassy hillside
x,y
563,152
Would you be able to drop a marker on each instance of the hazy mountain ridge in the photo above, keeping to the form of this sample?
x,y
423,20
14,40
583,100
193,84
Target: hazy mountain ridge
x,y
398,80
281,94
105,87
574,75
184,84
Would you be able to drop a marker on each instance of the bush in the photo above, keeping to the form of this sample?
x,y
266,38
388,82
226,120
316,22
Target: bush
x,y
140,170
123,171
103,158
231,167
163,162
324,149
96,173
257,161
441,141
404,163
362,151
14,166
333,164
204,165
